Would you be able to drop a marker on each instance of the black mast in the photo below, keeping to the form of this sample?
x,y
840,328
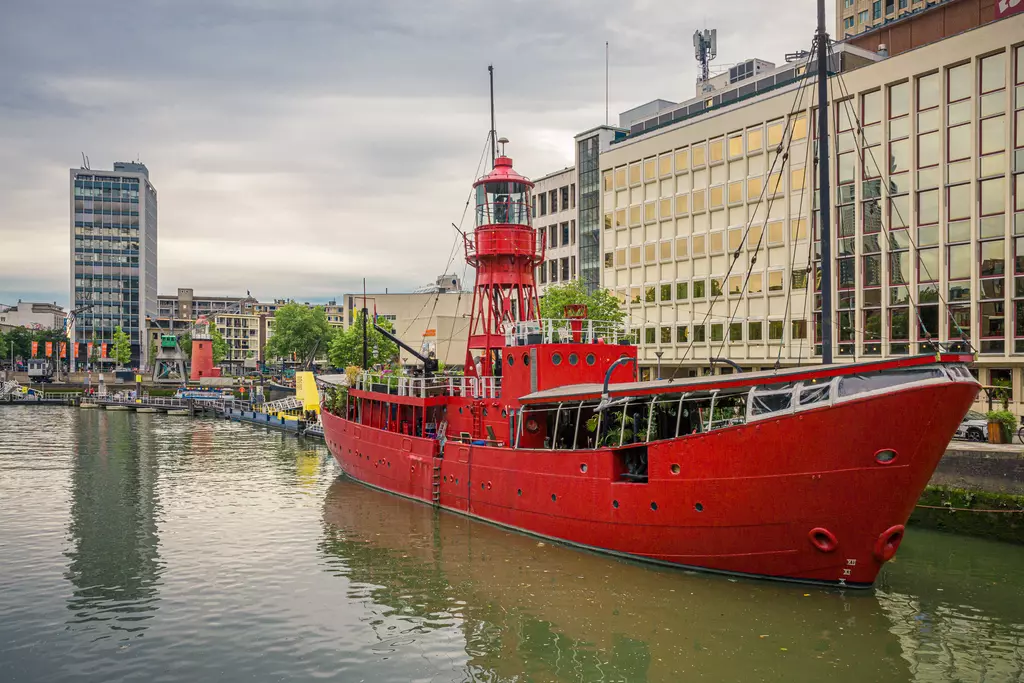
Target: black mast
x,y
824,189
365,360
494,141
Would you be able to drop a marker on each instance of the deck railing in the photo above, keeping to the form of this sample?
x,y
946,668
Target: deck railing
x,y
424,387
553,331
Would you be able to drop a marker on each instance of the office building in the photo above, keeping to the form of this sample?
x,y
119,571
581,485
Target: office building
x,y
113,256
34,316
187,306
708,233
554,219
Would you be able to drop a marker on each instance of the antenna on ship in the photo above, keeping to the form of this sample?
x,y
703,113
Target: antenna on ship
x,y
824,191
494,146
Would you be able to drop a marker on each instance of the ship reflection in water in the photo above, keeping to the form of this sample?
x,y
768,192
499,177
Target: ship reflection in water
x,y
554,613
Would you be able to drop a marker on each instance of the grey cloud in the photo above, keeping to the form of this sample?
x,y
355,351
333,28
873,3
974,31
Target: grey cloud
x,y
298,147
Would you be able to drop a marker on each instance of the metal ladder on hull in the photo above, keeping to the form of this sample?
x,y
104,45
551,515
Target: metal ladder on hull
x,y
436,483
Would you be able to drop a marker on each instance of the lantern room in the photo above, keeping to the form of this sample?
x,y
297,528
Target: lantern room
x,y
503,196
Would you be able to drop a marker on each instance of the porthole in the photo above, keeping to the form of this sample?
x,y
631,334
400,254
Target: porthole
x,y
884,457
654,506
485,412
504,413
519,492
699,507
460,410
489,486
583,467
573,359
590,359
526,359
615,504
553,498
556,359
511,360
445,478
675,468
482,486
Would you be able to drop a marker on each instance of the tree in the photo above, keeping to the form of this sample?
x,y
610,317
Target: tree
x,y
220,347
346,348
297,329
185,344
122,351
601,305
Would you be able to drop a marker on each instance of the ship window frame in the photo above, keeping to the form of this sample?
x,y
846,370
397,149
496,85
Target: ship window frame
x,y
758,409
925,375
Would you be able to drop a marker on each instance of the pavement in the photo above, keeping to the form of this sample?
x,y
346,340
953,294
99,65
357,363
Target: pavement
x,y
980,447
974,466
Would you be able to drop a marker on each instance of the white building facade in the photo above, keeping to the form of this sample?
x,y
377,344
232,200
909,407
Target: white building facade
x,y
708,233
554,219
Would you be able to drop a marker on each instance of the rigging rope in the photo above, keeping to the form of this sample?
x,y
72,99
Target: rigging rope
x,y
779,154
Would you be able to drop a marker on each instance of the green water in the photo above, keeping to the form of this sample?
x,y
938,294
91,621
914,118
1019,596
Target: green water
x,y
145,547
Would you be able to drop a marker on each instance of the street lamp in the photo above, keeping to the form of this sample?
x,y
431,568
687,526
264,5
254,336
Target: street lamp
x,y
659,354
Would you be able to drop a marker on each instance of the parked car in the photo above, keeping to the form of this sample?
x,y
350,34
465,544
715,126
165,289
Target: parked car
x,y
974,427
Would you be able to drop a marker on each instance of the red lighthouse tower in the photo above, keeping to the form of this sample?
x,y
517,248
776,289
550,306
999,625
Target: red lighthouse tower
x,y
504,251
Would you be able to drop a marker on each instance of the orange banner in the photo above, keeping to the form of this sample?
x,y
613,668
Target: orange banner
x,y
103,350
88,350
63,349
74,350
49,349
35,348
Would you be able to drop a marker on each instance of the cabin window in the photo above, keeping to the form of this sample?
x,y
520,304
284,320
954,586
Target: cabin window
x,y
814,393
764,402
556,359
852,385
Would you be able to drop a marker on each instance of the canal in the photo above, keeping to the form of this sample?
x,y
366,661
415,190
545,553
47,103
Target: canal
x,y
146,547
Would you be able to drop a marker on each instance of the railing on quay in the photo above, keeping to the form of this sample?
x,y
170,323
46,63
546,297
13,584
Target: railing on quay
x,y
424,387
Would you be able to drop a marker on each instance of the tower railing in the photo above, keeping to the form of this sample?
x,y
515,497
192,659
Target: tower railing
x,y
503,213
567,331
499,240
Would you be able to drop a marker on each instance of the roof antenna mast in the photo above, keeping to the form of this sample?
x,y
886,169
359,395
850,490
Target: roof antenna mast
x,y
705,49
494,141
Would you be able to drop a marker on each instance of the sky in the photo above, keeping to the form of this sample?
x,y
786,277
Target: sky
x,y
298,147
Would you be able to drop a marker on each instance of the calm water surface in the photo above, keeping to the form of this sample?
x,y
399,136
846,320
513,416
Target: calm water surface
x,y
145,547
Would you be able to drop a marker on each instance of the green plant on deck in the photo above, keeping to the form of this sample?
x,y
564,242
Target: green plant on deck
x,y
1004,418
616,429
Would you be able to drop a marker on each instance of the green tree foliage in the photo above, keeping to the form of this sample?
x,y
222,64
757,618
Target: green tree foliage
x,y
297,329
346,348
220,347
122,351
185,344
601,305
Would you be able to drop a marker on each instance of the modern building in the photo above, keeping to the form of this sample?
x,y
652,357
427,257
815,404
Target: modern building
x,y
590,145
930,22
858,16
554,218
709,232
113,256
34,316
241,333
435,322
187,306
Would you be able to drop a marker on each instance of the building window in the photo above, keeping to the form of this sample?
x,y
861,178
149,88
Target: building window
x,y
565,234
863,17
876,9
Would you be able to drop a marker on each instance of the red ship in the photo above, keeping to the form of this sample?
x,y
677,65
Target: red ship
x,y
803,474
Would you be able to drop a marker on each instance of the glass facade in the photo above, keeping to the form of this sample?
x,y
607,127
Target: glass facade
x,y
588,163
114,260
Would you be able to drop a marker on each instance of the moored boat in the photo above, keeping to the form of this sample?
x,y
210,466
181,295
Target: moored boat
x,y
803,474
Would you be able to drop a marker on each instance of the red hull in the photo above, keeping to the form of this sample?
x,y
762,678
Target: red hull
x,y
742,500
